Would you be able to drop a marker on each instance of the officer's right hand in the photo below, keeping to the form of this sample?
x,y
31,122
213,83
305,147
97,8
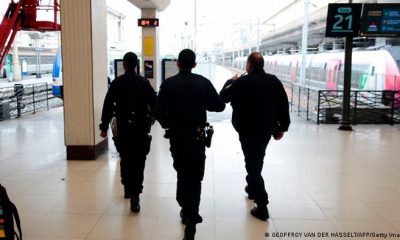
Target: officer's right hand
x,y
103,134
278,135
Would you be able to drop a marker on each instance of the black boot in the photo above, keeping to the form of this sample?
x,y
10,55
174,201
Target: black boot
x,y
184,219
190,231
127,192
135,204
260,213
250,194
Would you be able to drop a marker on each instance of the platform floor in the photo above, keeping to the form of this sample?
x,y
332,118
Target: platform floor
x,y
319,180
5,83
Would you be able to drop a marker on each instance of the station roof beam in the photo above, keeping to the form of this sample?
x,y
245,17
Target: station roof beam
x,y
160,5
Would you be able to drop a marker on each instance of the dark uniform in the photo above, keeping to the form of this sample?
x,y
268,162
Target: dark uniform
x,y
132,98
181,108
260,108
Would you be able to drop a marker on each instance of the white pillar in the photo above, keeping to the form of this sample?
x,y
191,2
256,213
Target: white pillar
x,y
304,44
84,56
195,27
16,66
150,50
258,34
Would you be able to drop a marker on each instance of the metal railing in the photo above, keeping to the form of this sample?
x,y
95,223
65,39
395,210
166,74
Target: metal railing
x,y
325,106
23,99
303,100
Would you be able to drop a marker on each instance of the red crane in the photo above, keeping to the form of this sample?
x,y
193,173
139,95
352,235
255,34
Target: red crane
x,y
22,15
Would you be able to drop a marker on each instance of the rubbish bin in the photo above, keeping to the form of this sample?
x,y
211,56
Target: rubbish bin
x,y
4,109
18,93
387,97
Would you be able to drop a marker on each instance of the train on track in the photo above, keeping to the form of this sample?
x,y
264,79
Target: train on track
x,y
371,69
28,58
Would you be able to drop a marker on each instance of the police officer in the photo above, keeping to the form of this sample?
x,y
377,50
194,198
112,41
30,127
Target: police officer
x,y
181,108
132,99
260,110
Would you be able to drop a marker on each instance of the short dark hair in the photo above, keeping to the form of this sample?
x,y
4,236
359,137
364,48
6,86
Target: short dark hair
x,y
130,60
256,60
186,59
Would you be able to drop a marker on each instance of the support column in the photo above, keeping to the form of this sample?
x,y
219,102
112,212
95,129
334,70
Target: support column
x,y
84,56
16,67
150,50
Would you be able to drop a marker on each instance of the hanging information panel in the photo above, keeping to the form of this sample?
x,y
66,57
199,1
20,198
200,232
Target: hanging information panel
x,y
380,20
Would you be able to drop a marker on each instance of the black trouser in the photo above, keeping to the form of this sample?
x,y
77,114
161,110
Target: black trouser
x,y
133,151
189,160
253,146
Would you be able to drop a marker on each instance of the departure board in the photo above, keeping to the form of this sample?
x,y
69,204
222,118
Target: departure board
x,y
148,22
381,20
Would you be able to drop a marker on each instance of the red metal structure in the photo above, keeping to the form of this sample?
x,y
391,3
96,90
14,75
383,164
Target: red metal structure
x,y
22,15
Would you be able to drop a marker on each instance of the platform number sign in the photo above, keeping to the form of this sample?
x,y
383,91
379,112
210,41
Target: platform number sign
x,y
343,20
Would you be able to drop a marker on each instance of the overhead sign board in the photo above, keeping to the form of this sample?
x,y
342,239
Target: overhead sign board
x,y
343,20
380,20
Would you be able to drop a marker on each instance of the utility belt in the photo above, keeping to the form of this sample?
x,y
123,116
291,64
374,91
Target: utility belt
x,y
137,122
202,134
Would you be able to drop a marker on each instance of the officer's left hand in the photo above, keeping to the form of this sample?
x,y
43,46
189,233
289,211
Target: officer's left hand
x,y
103,134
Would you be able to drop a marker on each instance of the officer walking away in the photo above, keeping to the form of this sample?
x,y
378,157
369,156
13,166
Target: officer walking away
x,y
260,110
132,99
181,109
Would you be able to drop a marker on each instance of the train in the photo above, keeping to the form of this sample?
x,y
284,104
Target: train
x,y
27,57
57,88
375,70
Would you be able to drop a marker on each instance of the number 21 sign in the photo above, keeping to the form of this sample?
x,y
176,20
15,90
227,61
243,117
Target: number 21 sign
x,y
343,20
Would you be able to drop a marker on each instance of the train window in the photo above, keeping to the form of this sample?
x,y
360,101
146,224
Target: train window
x,y
325,66
373,71
341,79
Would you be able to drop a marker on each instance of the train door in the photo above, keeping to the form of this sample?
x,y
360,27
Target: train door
x,y
9,67
375,77
273,67
332,74
368,80
293,69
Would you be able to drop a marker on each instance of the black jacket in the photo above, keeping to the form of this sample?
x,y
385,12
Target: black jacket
x,y
184,99
132,98
259,103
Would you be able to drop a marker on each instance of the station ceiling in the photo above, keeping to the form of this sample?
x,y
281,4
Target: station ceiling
x,y
160,5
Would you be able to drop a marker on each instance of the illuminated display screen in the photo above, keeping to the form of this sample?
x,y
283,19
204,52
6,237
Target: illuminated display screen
x,y
381,20
148,22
